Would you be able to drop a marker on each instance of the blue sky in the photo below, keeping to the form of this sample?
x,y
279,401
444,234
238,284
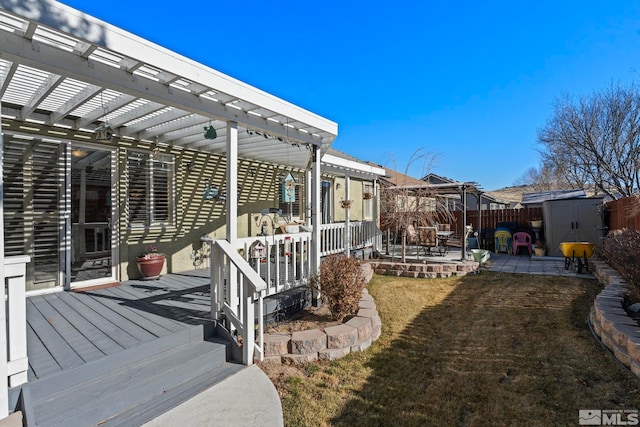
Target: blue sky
x,y
467,83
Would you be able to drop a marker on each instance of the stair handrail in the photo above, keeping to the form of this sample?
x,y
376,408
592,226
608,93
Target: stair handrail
x,y
238,309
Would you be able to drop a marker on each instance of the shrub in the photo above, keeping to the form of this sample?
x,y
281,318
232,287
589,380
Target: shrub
x,y
621,250
341,282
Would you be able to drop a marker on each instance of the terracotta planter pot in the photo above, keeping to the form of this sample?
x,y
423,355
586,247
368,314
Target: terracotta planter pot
x,y
150,267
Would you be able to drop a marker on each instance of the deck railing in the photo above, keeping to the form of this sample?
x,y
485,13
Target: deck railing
x,y
236,291
14,335
283,260
333,238
256,267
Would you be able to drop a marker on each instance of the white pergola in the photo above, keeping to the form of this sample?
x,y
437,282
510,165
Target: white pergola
x,y
62,68
65,74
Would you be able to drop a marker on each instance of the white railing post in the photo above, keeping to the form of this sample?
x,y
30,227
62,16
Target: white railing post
x,y
240,311
15,277
248,320
13,334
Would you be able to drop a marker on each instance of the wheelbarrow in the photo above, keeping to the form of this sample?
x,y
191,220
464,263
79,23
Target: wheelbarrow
x,y
576,254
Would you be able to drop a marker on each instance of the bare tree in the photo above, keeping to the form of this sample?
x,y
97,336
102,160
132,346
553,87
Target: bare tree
x,y
595,140
544,178
410,202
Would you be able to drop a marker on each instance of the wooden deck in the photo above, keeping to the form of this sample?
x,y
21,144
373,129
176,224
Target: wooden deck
x,y
120,355
69,329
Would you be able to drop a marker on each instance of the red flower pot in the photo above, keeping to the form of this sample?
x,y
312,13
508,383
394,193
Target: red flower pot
x,y
151,267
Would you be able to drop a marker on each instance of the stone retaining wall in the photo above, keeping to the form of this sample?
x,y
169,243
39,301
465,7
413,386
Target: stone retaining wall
x,y
334,342
428,271
619,332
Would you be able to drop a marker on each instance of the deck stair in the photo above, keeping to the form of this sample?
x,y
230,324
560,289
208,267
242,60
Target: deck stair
x,y
123,355
131,387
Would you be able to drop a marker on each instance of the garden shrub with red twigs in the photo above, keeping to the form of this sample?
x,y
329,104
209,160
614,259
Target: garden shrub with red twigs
x,y
621,250
341,282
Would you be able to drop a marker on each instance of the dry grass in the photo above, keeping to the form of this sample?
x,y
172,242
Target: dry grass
x,y
492,349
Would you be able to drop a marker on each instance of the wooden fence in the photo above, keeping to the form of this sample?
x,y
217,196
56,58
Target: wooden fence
x,y
490,219
623,213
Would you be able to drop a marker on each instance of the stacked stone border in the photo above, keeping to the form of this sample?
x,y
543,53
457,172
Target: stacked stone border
x,y
611,323
334,342
429,271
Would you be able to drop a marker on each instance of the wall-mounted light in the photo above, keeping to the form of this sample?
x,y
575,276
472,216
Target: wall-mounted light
x,y
190,166
338,186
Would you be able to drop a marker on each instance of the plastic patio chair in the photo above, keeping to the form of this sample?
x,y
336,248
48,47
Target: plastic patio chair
x,y
503,241
522,239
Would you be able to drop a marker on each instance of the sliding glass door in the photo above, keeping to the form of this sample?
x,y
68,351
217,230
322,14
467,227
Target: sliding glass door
x,y
58,210
92,240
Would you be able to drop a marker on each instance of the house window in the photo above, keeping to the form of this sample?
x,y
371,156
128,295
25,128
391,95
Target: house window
x,y
429,204
150,191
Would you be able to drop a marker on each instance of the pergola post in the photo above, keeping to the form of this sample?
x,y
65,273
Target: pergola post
x,y
316,214
232,182
464,222
231,203
347,216
377,240
308,181
4,382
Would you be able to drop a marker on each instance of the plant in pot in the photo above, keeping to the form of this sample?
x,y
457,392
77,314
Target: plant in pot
x,y
346,204
150,263
538,248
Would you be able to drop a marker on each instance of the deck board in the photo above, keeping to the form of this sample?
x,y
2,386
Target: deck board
x,y
82,346
112,330
170,299
86,322
41,362
69,329
156,320
117,304
59,349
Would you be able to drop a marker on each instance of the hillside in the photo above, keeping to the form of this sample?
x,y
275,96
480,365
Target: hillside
x,y
511,194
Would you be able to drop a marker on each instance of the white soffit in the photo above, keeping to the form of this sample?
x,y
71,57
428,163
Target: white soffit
x,y
63,68
342,166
